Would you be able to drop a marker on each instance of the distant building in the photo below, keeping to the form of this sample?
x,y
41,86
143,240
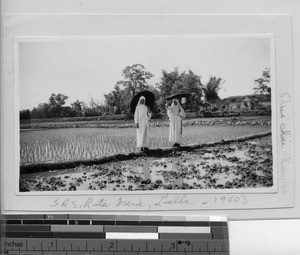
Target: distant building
x,y
266,103
204,107
244,103
208,106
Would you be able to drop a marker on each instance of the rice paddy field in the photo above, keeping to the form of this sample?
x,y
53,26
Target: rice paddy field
x,y
238,165
67,144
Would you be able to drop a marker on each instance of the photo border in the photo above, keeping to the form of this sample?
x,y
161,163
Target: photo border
x,y
286,195
273,189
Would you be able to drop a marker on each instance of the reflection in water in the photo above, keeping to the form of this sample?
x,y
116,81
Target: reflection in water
x,y
175,167
145,171
153,172
223,167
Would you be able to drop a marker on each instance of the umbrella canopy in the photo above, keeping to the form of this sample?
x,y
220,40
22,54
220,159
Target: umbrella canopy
x,y
178,96
149,96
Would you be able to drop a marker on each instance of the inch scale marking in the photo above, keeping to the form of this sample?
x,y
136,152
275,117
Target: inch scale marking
x,y
114,235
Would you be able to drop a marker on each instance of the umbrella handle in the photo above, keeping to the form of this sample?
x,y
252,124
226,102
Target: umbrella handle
x,y
181,126
149,114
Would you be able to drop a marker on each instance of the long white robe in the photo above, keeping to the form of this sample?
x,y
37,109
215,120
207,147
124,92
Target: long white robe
x,y
141,117
175,114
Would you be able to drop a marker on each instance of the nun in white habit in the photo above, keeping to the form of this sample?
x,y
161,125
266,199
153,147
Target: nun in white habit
x,y
175,113
141,119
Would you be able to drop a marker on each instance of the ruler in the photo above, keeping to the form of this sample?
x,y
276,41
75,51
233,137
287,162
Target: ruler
x,y
114,235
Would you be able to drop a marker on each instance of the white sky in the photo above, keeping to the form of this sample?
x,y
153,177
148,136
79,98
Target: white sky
x,y
85,68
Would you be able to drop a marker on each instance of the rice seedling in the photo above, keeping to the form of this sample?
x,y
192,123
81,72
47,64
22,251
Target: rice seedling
x,y
86,143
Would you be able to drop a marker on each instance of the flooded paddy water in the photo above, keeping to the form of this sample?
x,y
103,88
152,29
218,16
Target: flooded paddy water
x,y
237,165
59,145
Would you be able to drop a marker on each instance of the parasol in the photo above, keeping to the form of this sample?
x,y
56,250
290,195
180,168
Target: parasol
x,y
178,96
149,96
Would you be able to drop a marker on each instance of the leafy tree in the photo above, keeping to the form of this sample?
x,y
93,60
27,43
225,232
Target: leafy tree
x,y
174,82
212,88
263,83
25,114
67,111
135,78
94,109
56,102
77,108
116,99
53,109
193,86
167,82
41,111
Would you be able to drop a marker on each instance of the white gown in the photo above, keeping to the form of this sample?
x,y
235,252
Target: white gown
x,y
142,117
175,113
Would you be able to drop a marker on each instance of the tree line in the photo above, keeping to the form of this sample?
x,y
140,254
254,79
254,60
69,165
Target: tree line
x,y
135,79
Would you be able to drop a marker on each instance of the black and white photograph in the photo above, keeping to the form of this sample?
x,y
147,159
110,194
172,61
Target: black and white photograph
x,y
146,113
150,127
